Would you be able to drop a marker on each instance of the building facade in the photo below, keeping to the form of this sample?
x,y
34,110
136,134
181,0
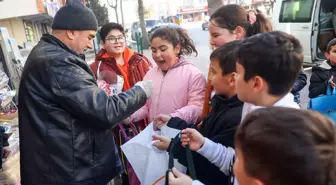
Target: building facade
x,y
28,20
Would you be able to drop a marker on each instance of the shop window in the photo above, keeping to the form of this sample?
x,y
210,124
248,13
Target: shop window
x,y
29,29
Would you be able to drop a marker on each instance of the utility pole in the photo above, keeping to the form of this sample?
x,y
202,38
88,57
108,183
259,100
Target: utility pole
x,y
122,13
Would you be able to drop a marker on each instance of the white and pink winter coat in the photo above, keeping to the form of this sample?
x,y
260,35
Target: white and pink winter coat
x,y
179,93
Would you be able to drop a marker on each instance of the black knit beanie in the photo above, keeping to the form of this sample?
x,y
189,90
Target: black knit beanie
x,y
74,15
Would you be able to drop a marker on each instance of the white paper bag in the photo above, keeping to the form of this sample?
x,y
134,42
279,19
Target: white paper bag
x,y
148,162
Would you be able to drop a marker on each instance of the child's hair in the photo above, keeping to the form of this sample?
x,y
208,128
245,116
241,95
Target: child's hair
x,y
275,56
226,56
331,44
287,146
108,27
176,36
231,16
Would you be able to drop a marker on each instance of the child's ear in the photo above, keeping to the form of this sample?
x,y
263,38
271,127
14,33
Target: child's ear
x,y
240,33
326,54
177,49
232,79
102,44
259,84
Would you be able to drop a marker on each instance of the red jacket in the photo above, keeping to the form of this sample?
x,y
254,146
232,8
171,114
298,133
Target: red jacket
x,y
136,66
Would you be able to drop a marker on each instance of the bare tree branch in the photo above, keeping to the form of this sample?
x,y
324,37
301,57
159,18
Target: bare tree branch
x,y
114,4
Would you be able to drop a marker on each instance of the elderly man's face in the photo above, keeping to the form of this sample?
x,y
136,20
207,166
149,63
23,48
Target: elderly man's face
x,y
81,40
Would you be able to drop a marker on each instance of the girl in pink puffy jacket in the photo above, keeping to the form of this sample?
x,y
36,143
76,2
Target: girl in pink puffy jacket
x,y
179,86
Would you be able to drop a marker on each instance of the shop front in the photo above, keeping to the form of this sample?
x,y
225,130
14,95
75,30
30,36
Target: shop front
x,y
192,14
10,166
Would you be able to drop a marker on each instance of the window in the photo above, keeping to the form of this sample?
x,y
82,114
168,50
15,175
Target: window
x,y
296,11
151,23
29,29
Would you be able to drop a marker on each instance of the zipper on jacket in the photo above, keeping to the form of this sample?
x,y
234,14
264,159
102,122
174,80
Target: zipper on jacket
x,y
157,106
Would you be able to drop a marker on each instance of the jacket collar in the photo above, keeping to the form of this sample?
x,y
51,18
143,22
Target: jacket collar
x,y
55,41
103,55
181,62
219,102
326,65
285,101
333,66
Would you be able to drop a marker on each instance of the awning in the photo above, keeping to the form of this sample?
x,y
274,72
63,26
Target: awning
x,y
192,10
45,18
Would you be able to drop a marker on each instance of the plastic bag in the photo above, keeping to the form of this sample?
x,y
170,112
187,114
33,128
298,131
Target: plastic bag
x,y
110,82
149,163
3,79
6,98
323,105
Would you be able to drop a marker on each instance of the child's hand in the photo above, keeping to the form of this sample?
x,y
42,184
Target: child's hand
x,y
162,143
178,178
160,120
6,151
126,121
193,138
331,82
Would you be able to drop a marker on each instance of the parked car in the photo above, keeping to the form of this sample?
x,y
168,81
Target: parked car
x,y
135,28
205,24
312,22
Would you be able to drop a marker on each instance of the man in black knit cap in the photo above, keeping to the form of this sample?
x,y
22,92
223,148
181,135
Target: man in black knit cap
x,y
65,119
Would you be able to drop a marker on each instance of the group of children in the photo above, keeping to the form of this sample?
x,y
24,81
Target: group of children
x,y
251,68
278,145
242,72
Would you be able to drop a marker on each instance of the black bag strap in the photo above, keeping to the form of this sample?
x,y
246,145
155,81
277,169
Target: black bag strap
x,y
190,161
231,174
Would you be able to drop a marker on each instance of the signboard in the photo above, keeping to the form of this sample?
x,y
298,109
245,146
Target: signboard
x,y
52,8
192,10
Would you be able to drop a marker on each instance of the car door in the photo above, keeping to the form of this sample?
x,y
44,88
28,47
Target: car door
x,y
323,28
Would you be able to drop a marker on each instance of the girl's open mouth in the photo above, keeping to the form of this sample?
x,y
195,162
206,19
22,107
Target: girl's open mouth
x,y
161,62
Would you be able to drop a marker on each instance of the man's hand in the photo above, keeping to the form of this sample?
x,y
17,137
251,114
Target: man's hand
x,y
162,142
6,151
147,86
161,120
193,138
178,178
